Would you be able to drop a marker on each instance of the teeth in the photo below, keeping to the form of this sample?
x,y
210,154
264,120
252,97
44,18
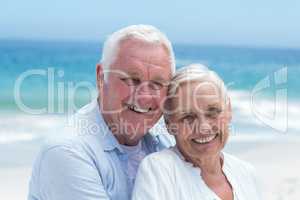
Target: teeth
x,y
140,110
205,140
136,109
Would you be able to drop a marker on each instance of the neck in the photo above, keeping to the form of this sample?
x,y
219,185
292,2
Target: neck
x,y
122,139
211,164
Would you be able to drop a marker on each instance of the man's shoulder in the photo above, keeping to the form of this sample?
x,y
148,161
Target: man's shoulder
x,y
70,140
234,160
81,131
64,141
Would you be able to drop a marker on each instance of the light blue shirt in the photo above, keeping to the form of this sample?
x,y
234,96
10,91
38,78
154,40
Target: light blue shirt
x,y
87,162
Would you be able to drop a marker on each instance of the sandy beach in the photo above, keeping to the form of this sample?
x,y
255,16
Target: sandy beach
x,y
14,183
277,163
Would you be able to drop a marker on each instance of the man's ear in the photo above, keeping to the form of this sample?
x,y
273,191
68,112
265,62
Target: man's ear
x,y
99,76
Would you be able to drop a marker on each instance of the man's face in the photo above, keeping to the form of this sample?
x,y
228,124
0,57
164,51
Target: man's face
x,y
135,88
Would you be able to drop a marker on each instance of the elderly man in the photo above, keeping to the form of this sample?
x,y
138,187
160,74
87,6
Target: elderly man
x,y
98,159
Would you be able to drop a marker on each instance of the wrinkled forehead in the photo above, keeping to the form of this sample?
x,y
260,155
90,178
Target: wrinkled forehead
x,y
197,94
137,47
136,56
204,88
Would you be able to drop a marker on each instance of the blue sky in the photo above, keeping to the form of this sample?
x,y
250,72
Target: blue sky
x,y
233,22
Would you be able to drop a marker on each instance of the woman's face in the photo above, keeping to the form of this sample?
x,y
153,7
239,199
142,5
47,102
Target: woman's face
x,y
199,119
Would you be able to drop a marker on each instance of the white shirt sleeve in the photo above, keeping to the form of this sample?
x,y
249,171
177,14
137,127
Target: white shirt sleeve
x,y
257,183
153,181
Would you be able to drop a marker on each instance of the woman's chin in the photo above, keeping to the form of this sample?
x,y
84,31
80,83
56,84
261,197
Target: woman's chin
x,y
202,148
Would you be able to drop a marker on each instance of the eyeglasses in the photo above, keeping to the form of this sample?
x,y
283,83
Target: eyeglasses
x,y
153,85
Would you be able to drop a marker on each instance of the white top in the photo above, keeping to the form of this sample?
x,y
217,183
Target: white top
x,y
135,155
166,175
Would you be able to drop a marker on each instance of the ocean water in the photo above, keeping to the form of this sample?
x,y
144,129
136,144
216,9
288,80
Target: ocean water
x,y
263,84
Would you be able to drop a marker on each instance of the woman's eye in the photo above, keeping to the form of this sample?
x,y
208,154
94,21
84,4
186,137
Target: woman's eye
x,y
188,118
213,113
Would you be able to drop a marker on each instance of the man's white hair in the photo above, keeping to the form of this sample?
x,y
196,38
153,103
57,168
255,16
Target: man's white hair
x,y
145,33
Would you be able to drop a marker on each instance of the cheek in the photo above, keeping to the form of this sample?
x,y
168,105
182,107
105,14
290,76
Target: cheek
x,y
223,126
184,132
182,141
224,138
116,85
159,97
119,92
219,123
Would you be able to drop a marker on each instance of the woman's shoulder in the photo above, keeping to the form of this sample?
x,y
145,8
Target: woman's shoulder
x,y
155,178
238,166
236,162
165,156
158,165
245,175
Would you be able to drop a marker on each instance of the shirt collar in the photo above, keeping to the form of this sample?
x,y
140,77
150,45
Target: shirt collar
x,y
109,141
179,154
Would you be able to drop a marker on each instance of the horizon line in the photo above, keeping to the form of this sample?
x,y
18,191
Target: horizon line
x,y
101,41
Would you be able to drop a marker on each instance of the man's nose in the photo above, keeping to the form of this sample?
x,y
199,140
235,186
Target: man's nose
x,y
144,95
145,89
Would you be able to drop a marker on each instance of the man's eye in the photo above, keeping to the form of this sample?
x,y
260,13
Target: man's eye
x,y
131,81
155,85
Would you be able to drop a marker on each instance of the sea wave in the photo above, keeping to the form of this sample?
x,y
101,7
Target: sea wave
x,y
262,113
19,127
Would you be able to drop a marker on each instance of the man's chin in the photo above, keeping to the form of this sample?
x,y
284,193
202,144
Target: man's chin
x,y
132,137
139,119
138,131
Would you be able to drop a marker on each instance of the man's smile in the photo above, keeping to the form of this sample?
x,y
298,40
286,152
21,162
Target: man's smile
x,y
138,109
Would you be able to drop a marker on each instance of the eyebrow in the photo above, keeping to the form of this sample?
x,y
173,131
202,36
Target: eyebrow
x,y
134,74
214,109
160,80
185,113
217,104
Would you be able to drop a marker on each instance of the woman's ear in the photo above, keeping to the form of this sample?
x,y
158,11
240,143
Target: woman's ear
x,y
100,76
229,111
170,127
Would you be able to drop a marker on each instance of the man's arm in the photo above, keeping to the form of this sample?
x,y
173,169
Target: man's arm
x,y
65,173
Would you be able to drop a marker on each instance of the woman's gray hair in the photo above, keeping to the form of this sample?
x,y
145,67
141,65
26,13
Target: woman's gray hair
x,y
195,72
145,33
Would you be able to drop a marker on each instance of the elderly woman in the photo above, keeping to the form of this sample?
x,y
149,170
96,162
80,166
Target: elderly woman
x,y
198,114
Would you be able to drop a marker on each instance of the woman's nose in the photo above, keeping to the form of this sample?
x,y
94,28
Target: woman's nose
x,y
204,126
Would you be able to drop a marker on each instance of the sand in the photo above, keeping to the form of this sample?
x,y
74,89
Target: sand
x,y
278,168
14,183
